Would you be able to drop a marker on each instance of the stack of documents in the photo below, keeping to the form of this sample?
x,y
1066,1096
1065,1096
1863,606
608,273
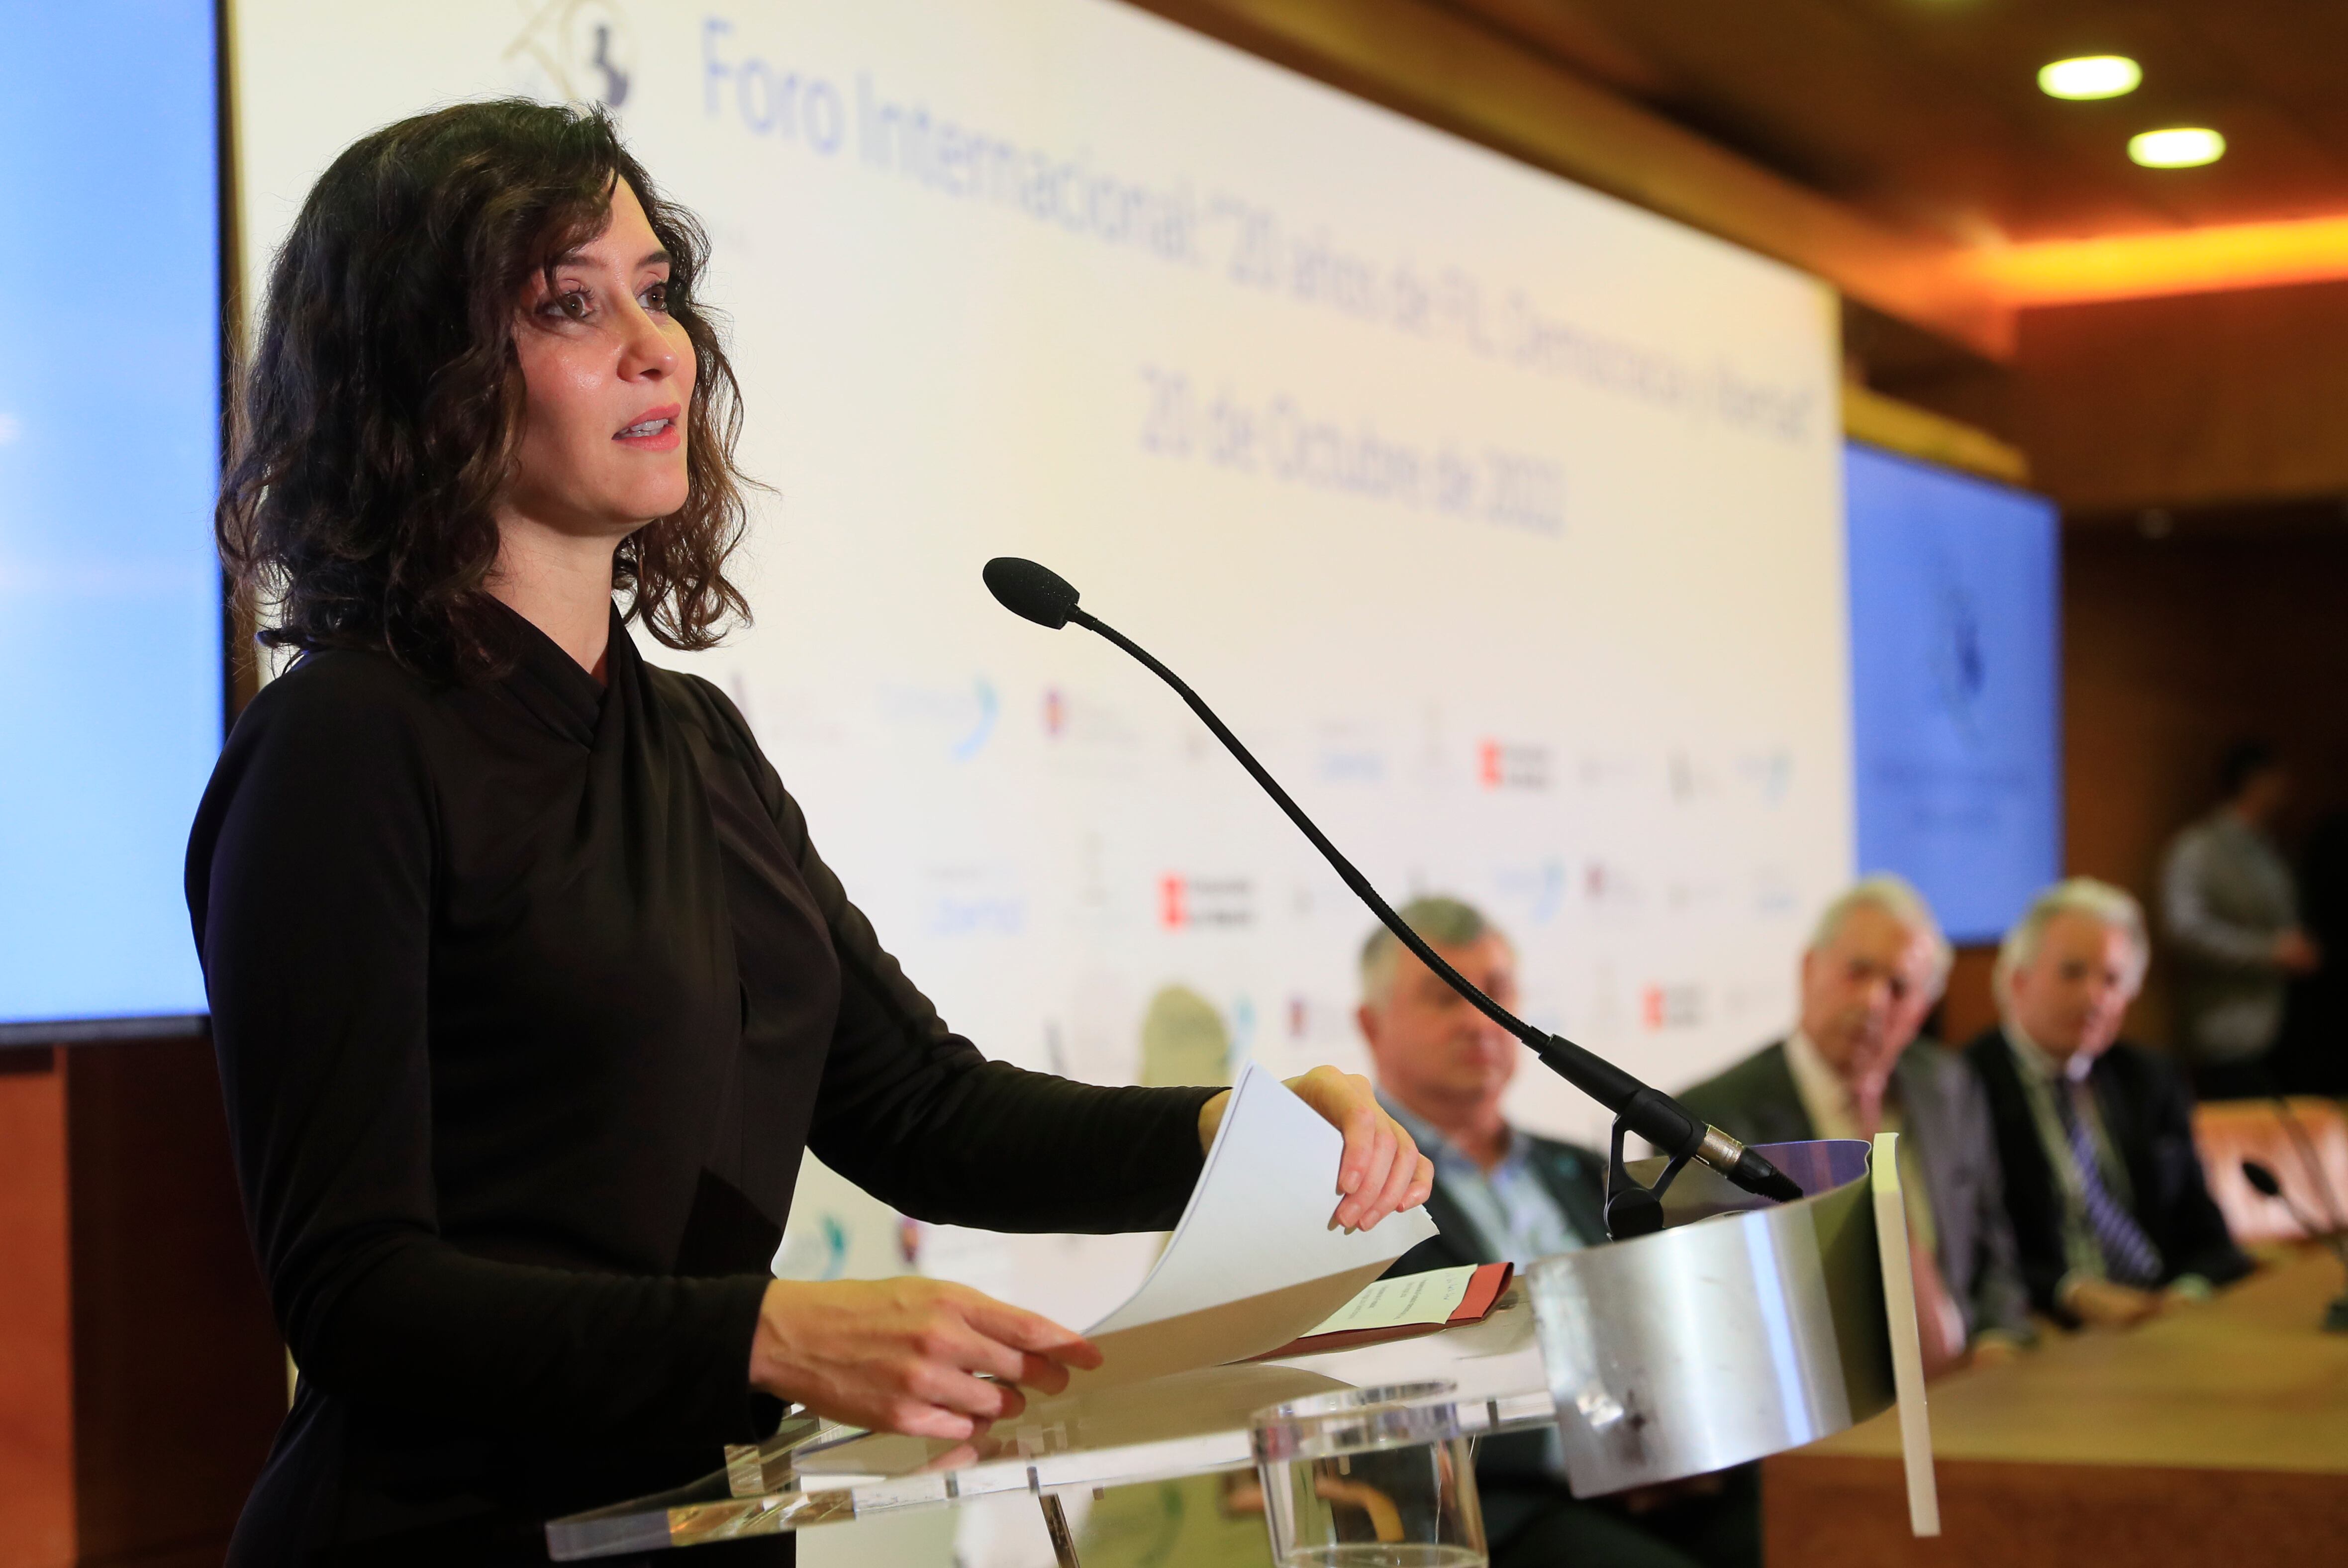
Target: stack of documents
x,y
1255,1262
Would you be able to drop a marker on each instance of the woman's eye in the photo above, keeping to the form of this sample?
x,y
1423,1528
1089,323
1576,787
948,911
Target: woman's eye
x,y
654,297
572,304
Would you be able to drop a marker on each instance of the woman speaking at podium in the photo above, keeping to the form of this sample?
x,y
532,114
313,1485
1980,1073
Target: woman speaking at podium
x,y
528,984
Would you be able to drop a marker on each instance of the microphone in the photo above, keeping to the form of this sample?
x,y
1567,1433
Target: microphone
x,y
1042,595
2335,1317
2309,1158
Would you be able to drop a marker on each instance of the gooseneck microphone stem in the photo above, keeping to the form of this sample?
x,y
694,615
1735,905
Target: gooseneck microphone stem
x,y
1042,596
1586,1070
2263,1181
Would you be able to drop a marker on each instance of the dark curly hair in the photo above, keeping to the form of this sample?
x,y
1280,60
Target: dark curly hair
x,y
381,413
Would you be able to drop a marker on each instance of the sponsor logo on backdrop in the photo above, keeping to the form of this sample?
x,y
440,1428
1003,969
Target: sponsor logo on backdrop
x,y
1196,903
1539,890
982,723
1682,895
1692,779
967,901
1774,893
1671,1006
960,720
578,51
1596,772
1748,998
1769,773
1079,718
1513,764
818,1252
1606,886
1350,754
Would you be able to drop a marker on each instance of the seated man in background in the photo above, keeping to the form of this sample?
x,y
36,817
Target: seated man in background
x,y
1874,967
2095,1135
1502,1194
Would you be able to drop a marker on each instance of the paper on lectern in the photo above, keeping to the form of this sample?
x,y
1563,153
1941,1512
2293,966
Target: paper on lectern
x,y
1254,1262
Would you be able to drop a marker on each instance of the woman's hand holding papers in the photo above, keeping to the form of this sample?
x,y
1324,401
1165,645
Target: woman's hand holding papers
x,y
915,1355
1382,1173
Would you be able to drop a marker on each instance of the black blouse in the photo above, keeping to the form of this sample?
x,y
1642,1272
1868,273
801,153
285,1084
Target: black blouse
x,y
527,995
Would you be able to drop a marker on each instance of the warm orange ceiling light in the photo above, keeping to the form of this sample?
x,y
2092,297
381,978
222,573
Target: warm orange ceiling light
x,y
2186,260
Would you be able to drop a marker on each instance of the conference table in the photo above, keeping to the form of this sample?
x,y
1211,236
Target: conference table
x,y
2217,1433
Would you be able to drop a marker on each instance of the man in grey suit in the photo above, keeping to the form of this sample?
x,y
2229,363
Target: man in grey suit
x,y
1874,966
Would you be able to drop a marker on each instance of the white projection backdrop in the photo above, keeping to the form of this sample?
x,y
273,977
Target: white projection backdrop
x,y
1502,519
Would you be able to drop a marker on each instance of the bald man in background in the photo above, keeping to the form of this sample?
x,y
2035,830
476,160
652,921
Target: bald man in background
x,y
1502,1194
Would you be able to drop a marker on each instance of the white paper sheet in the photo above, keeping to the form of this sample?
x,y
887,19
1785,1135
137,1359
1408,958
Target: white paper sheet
x,y
1254,1261
1417,1298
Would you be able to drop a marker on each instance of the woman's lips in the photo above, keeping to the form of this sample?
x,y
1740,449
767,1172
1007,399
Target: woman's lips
x,y
656,432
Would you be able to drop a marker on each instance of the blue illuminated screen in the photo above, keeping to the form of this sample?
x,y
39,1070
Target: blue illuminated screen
x,y
109,596
1955,653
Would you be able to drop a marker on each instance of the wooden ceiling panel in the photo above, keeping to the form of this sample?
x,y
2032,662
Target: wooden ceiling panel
x,y
1928,114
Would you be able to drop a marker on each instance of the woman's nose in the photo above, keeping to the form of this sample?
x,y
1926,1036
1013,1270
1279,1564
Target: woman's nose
x,y
647,354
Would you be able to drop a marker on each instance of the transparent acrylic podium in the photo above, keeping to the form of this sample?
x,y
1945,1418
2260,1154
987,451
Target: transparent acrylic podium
x,y
1370,1478
1743,1329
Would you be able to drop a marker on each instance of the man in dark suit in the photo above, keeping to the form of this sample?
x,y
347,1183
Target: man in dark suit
x,y
1852,1068
2096,1135
1502,1194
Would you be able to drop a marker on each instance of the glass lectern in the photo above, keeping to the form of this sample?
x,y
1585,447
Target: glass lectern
x,y
1743,1329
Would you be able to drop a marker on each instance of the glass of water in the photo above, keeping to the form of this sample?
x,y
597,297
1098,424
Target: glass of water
x,y
1370,1478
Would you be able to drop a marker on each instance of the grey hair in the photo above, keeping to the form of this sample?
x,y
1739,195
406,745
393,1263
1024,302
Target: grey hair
x,y
2077,895
1439,920
1896,897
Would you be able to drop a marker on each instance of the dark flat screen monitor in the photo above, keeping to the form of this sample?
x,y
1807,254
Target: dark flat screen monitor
x,y
1955,657
110,629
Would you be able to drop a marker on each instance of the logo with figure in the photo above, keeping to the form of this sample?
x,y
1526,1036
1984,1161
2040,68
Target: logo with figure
x,y
574,51
1960,659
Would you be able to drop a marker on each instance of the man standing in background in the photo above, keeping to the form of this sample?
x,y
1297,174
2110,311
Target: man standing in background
x,y
1875,964
2232,916
1503,1195
2096,1137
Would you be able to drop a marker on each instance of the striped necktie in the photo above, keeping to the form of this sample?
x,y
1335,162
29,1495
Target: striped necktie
x,y
2129,1256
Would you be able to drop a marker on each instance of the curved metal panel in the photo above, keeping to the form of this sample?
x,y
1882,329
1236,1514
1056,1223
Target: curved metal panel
x,y
1741,1329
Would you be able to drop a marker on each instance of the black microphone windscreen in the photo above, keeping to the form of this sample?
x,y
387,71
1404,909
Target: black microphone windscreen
x,y
1037,593
2259,1177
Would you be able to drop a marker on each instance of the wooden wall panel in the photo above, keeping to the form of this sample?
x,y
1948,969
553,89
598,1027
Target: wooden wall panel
x,y
2211,398
141,1376
179,1376
2172,649
36,1473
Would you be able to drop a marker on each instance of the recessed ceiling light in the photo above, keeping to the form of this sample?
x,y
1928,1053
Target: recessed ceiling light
x,y
2181,147
2090,76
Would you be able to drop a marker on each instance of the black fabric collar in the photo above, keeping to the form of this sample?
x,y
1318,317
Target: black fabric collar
x,y
552,688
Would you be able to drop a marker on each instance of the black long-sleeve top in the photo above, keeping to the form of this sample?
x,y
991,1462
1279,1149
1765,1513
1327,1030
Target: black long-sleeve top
x,y
527,995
